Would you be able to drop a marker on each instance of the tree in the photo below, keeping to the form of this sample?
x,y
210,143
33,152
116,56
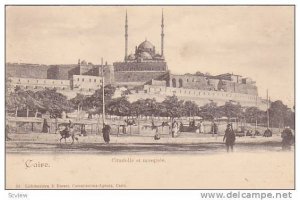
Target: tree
x,y
209,111
253,113
23,100
281,115
95,100
232,110
54,102
191,108
289,119
151,108
198,73
172,107
119,106
138,107
79,101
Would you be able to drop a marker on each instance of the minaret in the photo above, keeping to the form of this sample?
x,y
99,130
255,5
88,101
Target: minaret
x,y
126,37
162,34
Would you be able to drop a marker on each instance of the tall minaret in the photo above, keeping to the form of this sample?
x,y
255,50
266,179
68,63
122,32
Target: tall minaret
x,y
162,33
126,37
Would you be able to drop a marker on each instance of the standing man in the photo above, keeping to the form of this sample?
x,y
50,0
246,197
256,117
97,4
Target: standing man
x,y
175,128
106,133
229,138
201,127
45,126
287,139
214,128
7,131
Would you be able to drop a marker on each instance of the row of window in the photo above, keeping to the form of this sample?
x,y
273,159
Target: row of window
x,y
77,86
89,80
209,93
45,81
41,87
140,68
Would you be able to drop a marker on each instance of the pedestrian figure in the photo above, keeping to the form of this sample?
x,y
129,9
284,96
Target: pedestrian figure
x,y
229,138
287,139
106,133
181,127
154,127
56,125
7,131
214,128
83,131
70,124
175,129
192,124
200,127
45,127
268,133
156,136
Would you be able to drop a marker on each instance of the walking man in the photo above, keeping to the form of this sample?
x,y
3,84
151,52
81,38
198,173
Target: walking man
x,y
214,128
106,133
229,138
46,127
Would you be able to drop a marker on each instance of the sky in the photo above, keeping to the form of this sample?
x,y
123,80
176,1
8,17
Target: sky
x,y
252,41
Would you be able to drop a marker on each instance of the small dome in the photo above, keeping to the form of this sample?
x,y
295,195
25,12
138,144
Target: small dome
x,y
146,45
157,56
131,57
146,56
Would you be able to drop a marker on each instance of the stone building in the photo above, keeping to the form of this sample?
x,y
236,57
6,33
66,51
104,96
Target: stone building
x,y
38,83
145,72
145,64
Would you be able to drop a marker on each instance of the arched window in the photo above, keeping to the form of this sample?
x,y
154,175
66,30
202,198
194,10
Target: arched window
x,y
173,82
180,83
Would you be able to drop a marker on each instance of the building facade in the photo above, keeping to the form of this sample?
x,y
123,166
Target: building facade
x,y
146,68
143,65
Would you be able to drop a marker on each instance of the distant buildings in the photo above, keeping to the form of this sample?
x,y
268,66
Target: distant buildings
x,y
145,73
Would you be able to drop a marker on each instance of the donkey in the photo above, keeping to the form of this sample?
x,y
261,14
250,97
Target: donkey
x,y
66,131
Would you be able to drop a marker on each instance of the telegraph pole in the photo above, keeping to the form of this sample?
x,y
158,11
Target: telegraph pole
x,y
103,100
255,116
268,114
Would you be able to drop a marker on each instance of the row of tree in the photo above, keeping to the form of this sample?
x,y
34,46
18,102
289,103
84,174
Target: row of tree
x,y
49,100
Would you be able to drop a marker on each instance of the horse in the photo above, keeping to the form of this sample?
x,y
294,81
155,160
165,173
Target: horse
x,y
66,131
130,122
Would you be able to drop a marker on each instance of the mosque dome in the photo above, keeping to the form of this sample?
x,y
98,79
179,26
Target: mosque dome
x,y
146,56
146,46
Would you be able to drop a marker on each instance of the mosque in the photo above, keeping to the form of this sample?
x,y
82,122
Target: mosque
x,y
144,73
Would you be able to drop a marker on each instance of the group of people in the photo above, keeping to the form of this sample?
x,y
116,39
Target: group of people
x,y
286,135
213,129
229,136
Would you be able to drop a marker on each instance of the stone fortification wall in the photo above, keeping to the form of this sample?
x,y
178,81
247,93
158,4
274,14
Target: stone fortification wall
x,y
137,76
201,97
140,66
26,70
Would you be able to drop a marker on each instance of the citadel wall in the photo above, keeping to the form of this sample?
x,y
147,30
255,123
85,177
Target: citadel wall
x,y
140,66
136,76
37,84
26,70
201,97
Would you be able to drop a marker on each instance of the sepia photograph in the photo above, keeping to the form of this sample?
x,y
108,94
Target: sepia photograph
x,y
149,97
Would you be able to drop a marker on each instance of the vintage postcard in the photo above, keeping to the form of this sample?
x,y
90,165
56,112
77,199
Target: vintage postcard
x,y
149,97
